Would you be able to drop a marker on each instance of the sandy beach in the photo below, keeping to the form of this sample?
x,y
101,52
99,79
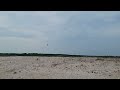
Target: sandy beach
x,y
34,67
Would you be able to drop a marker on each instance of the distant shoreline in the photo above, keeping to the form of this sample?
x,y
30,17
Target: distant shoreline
x,y
53,55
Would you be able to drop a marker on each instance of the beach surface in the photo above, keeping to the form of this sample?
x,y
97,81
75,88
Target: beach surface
x,y
37,67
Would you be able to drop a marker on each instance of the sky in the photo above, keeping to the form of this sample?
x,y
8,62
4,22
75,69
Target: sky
x,y
63,32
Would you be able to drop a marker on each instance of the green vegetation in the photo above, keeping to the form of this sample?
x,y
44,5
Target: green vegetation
x,y
52,55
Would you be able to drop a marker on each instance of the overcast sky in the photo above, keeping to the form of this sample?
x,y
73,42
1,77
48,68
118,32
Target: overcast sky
x,y
65,32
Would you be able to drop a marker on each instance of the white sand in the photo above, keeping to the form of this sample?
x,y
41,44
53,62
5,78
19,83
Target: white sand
x,y
59,68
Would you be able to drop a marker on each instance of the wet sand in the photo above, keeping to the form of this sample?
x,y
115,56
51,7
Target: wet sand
x,y
34,67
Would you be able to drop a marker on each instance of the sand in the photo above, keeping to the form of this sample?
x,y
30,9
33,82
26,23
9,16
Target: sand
x,y
34,67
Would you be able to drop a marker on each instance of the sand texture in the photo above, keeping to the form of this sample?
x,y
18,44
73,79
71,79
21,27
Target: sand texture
x,y
34,67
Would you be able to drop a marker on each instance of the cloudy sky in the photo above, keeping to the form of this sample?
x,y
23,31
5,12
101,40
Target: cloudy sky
x,y
66,32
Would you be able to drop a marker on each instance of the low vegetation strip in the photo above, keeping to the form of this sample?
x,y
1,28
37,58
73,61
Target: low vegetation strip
x,y
52,55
